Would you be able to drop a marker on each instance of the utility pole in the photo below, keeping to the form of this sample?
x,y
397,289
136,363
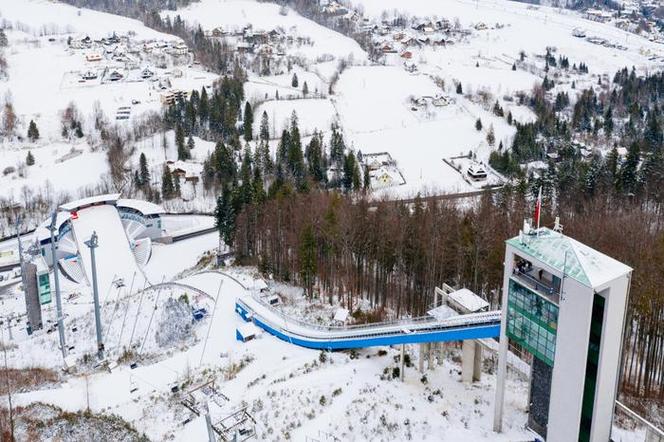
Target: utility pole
x,y
56,279
93,243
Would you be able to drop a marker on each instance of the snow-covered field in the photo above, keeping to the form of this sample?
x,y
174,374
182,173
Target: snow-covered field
x,y
235,14
291,392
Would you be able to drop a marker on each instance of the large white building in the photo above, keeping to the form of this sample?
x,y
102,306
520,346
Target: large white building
x,y
564,303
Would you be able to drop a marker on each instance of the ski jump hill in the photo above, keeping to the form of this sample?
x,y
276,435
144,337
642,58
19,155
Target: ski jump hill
x,y
410,331
126,230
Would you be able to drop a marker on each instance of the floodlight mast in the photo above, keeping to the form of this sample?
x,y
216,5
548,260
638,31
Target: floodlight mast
x,y
93,243
56,279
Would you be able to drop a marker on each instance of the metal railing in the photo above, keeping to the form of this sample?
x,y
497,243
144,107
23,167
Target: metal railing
x,y
415,325
537,285
652,433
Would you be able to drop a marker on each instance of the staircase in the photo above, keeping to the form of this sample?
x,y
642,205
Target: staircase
x,y
133,228
72,269
142,249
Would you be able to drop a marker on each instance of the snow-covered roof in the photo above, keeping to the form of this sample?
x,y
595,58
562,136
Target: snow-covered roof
x,y
42,232
73,205
145,207
247,330
442,312
468,300
570,257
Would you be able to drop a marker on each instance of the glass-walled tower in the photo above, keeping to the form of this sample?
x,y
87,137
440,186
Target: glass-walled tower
x,y
563,311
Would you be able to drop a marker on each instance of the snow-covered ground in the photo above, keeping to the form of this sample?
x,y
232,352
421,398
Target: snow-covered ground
x,y
235,14
291,392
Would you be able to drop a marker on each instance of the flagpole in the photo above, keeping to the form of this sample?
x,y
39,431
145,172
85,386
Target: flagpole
x,y
539,209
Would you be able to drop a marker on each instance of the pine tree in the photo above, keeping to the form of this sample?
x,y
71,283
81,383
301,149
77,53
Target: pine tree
x,y
191,144
3,39
628,172
30,160
351,176
144,172
203,107
265,127
295,157
33,132
176,185
491,136
337,145
79,130
224,214
314,156
478,124
305,89
307,253
167,188
608,122
366,178
514,66
183,153
294,81
248,122
459,89
258,189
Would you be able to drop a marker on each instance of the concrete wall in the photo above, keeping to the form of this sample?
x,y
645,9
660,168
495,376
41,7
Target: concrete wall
x,y
609,357
569,368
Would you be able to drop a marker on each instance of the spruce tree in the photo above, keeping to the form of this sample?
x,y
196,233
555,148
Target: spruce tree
x,y
459,89
351,179
176,185
307,259
33,132
294,81
628,172
265,127
224,214
203,107
314,156
305,89
478,124
3,39
79,130
191,144
248,122
183,153
144,171
167,188
30,160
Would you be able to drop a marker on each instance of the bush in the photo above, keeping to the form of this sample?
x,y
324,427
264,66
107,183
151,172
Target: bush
x,y
322,400
396,372
322,357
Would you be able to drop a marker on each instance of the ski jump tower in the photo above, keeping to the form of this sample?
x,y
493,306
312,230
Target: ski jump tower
x,y
563,303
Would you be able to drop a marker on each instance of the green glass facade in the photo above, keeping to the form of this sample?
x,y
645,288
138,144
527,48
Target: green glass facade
x,y
44,288
532,321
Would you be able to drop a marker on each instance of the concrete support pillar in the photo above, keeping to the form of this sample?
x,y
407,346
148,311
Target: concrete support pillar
x,y
467,361
502,354
401,370
420,360
430,356
477,365
441,352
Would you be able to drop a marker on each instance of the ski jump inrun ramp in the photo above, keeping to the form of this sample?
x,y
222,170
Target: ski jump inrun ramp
x,y
114,257
411,331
